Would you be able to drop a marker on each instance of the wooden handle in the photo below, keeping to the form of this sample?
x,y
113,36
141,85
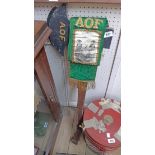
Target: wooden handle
x,y
82,87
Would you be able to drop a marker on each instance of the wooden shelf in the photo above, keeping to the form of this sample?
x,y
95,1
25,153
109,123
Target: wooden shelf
x,y
79,1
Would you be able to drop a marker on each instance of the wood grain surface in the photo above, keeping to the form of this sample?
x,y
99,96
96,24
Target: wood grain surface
x,y
79,1
63,138
41,34
46,82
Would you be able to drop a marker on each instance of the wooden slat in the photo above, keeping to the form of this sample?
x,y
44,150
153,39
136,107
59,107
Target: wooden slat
x,y
89,151
47,85
63,138
38,141
37,26
81,146
50,131
78,149
42,141
78,1
116,152
41,34
40,152
53,137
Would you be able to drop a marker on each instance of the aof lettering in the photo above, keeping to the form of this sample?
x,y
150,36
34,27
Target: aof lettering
x,y
89,22
62,31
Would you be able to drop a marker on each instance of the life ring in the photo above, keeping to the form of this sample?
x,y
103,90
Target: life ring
x,y
102,124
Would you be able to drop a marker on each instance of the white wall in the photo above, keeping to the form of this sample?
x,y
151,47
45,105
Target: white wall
x,y
57,68
114,87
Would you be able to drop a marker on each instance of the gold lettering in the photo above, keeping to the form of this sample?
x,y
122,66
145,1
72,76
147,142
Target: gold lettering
x,y
79,22
97,22
62,38
62,25
89,23
62,31
86,23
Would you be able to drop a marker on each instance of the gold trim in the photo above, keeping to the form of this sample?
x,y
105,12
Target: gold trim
x,y
74,83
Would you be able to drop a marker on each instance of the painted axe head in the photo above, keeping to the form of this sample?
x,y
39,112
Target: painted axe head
x,y
57,20
50,14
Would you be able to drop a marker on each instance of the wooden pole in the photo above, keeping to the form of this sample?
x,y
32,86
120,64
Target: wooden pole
x,y
82,87
66,71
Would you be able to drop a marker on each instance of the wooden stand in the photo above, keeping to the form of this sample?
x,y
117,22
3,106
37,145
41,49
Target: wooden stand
x,y
42,68
45,78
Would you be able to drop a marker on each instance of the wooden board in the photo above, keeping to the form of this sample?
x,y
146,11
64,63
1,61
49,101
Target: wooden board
x,y
50,132
45,79
52,138
41,34
78,149
77,1
90,152
63,138
42,141
116,152
38,141
40,152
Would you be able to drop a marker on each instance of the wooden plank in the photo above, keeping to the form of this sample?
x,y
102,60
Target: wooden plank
x,y
38,141
63,138
78,149
40,152
89,151
38,25
116,152
79,1
41,34
42,141
51,129
46,82
53,137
